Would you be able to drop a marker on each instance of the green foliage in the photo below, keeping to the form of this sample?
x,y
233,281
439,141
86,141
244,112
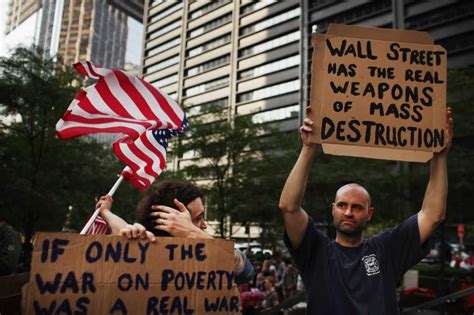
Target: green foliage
x,y
461,171
43,176
225,150
246,173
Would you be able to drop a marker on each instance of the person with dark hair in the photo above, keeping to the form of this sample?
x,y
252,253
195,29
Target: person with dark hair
x,y
164,193
170,208
359,276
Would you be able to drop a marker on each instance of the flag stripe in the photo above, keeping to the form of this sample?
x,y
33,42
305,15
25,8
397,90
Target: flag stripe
x,y
121,103
132,92
166,106
109,98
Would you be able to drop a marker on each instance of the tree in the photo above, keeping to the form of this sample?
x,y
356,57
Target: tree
x,y
245,173
223,148
43,176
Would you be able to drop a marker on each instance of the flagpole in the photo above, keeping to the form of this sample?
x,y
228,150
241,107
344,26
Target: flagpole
x,y
89,223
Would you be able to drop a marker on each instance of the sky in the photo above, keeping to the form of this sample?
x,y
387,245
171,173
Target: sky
x,y
25,34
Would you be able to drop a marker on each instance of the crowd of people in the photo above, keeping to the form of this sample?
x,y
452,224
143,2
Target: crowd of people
x,y
275,280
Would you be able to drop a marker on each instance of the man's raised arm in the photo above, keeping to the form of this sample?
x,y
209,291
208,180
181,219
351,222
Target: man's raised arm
x,y
295,218
433,210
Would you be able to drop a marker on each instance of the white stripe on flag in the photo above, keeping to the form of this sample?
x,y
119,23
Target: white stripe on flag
x,y
152,102
98,102
152,155
103,126
135,159
122,97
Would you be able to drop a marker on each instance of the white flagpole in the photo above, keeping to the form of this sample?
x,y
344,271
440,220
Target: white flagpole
x,y
89,223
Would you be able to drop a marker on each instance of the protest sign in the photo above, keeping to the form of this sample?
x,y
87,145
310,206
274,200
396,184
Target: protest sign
x,y
378,93
73,274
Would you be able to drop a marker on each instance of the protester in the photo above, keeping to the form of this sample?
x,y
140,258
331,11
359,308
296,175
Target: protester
x,y
271,295
290,280
174,208
349,275
10,248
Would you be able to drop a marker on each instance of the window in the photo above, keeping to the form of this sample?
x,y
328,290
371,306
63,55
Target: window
x,y
207,107
207,8
273,43
206,86
270,91
211,25
173,96
257,5
276,114
154,3
190,154
208,65
163,64
271,67
163,47
209,45
165,13
165,29
271,21
165,81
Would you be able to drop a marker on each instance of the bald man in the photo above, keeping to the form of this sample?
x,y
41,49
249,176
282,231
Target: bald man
x,y
350,275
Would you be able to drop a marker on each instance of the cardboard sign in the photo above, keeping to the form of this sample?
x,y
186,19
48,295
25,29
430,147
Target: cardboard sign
x,y
74,274
378,93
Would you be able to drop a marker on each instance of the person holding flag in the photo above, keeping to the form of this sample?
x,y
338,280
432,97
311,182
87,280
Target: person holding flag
x,y
122,103
174,208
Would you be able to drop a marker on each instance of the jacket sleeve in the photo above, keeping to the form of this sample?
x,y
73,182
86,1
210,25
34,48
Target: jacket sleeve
x,y
246,274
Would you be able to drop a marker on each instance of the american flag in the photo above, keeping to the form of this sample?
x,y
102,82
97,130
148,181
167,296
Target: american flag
x,y
122,103
99,226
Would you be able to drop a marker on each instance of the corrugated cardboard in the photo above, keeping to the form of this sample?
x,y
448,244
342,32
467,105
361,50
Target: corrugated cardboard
x,y
108,297
406,118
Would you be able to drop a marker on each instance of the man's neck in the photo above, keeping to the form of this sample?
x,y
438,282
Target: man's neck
x,y
348,240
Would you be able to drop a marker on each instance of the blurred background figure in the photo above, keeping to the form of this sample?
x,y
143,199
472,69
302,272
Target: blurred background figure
x,y
10,247
290,279
271,295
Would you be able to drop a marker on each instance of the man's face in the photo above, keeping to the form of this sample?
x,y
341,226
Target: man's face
x,y
196,208
351,210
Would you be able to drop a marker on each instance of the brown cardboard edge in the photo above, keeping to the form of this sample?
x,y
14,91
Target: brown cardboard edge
x,y
377,153
317,89
365,32
439,101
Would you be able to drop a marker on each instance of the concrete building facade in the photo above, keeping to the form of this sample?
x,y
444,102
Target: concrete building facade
x,y
77,29
254,57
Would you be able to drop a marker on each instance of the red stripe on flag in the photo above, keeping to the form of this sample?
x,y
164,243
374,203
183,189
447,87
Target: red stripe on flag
x,y
153,149
145,158
105,120
135,95
104,91
72,132
86,105
80,67
164,104
133,178
91,69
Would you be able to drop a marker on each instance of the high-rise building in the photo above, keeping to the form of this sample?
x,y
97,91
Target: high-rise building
x,y
238,57
19,11
78,29
85,30
254,57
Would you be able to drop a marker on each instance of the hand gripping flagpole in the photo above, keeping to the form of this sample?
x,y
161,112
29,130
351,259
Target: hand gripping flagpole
x,y
89,223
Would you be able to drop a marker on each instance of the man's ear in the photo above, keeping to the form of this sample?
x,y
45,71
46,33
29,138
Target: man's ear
x,y
333,206
371,212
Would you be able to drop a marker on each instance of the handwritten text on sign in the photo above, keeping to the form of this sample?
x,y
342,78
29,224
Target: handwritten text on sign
x,y
109,275
381,93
